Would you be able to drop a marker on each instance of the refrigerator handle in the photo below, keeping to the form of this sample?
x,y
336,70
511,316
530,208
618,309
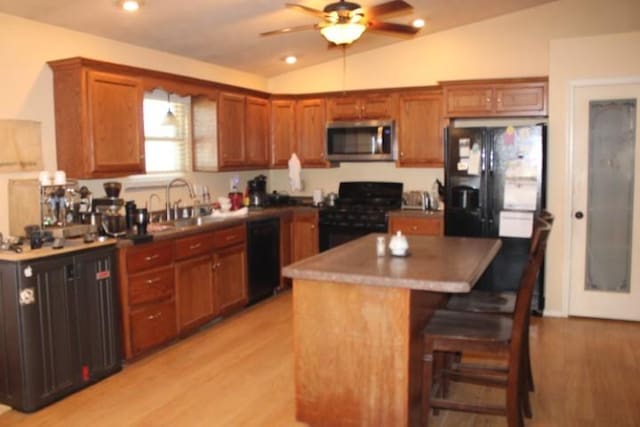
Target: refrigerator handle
x,y
491,160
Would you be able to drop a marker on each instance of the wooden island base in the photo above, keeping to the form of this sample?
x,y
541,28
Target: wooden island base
x,y
358,353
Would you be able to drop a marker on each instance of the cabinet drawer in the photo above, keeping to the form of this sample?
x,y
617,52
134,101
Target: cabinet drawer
x,y
416,226
151,286
194,245
230,236
149,256
153,325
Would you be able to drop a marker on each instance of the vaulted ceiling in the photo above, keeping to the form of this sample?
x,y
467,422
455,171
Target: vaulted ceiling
x,y
226,32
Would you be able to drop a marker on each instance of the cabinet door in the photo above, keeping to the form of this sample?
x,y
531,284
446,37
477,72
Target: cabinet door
x,y
469,101
283,131
305,236
379,107
420,226
257,132
194,292
116,136
420,134
152,325
344,108
231,127
519,100
49,323
98,311
311,132
230,278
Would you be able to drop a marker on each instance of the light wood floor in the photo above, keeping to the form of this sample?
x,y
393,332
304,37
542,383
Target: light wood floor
x,y
239,373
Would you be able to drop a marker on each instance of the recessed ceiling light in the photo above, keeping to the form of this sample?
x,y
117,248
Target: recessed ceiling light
x,y
130,5
418,23
290,59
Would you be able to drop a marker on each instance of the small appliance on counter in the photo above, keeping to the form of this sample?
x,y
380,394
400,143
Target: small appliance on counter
x,y
257,190
108,211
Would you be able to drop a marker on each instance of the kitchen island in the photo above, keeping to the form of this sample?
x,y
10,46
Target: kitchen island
x,y
358,320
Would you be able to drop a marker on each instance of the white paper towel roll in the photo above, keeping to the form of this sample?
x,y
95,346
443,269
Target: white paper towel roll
x,y
294,173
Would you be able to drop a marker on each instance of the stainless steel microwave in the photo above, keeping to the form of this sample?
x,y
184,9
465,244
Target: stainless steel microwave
x,y
371,140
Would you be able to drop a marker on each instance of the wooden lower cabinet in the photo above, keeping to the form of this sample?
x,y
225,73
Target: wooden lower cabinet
x,y
230,278
195,295
152,325
304,241
416,225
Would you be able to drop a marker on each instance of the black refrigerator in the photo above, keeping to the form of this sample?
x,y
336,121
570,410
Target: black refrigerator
x,y
494,179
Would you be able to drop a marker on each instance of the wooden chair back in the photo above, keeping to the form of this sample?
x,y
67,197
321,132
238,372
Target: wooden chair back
x,y
525,294
545,218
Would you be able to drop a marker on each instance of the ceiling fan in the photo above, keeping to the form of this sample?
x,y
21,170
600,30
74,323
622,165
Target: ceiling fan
x,y
343,22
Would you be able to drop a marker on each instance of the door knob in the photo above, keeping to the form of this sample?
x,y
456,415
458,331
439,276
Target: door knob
x,y
579,215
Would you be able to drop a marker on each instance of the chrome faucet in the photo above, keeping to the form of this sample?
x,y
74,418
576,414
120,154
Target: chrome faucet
x,y
149,206
168,200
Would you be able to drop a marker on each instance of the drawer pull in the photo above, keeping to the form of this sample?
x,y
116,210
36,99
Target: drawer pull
x,y
215,265
154,316
231,237
196,246
151,257
152,281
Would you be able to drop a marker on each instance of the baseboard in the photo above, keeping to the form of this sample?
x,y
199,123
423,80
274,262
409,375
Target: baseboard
x,y
552,313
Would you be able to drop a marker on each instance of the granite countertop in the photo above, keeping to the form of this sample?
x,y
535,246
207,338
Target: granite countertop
x,y
212,224
440,264
70,245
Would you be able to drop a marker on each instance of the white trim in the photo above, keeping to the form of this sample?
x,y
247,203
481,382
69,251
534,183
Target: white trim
x,y
554,313
573,85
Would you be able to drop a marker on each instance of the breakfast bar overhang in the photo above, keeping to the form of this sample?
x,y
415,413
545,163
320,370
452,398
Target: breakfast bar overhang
x,y
358,320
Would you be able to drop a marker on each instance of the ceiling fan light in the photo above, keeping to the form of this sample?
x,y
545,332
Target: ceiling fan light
x,y
130,5
343,33
291,59
418,23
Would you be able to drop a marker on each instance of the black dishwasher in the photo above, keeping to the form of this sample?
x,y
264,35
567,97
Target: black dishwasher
x,y
263,255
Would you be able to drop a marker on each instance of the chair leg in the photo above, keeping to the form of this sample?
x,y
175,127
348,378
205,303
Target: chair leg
x,y
515,401
427,381
527,363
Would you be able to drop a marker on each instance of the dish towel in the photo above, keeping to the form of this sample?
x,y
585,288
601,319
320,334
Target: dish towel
x,y
294,173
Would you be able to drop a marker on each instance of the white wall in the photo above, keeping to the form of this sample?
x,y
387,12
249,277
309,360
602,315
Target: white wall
x,y
590,58
27,86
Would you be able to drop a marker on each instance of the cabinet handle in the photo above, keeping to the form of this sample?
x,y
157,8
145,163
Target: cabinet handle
x,y
152,257
154,316
152,281
402,154
313,227
196,246
499,100
215,265
414,227
231,237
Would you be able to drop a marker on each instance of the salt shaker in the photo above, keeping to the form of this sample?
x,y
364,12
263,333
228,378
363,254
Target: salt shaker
x,y
381,246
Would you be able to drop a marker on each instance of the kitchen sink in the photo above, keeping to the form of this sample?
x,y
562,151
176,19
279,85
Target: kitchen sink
x,y
197,221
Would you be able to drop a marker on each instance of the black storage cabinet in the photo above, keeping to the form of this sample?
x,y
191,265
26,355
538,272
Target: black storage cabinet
x,y
58,326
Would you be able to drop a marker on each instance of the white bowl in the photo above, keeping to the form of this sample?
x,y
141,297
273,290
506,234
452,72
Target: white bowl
x,y
225,207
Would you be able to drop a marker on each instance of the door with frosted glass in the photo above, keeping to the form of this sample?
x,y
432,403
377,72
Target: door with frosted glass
x,y
605,262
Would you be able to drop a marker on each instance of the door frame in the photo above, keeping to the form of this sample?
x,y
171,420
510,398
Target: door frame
x,y
574,85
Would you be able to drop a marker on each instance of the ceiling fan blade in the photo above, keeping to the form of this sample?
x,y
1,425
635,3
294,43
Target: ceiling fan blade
x,y
388,8
291,29
307,9
390,27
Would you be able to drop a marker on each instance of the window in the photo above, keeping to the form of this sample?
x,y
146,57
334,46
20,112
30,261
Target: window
x,y
167,145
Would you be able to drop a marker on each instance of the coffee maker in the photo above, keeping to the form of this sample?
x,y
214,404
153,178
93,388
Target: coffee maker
x,y
257,191
108,211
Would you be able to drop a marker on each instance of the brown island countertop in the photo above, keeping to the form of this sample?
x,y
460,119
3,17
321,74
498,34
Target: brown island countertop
x,y
434,263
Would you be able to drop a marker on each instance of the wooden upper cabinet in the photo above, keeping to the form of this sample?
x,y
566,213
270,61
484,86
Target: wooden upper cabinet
x,y
496,98
283,131
420,130
311,125
231,128
363,107
99,131
257,131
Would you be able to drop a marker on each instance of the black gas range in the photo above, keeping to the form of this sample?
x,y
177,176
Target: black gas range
x,y
361,208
